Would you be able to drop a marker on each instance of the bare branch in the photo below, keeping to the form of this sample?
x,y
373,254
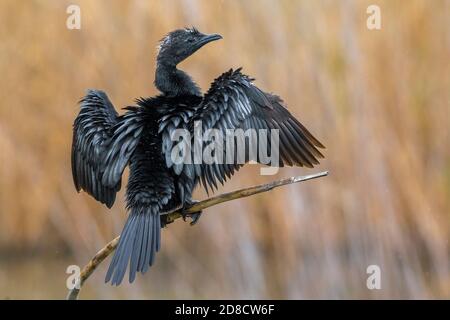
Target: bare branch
x,y
242,193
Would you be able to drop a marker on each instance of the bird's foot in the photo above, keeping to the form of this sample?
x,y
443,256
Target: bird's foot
x,y
195,216
165,220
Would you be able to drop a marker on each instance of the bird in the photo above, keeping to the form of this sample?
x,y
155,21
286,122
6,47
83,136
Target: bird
x,y
105,143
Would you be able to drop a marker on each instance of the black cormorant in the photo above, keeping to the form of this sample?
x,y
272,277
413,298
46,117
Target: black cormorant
x,y
104,143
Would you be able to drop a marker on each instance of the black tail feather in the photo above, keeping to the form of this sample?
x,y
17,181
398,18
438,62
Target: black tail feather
x,y
138,244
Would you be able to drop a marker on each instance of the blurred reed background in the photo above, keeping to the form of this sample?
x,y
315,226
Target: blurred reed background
x,y
379,101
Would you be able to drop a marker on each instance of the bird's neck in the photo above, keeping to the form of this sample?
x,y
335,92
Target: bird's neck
x,y
173,82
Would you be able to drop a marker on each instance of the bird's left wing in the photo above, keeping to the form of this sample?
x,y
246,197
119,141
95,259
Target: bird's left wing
x,y
234,102
102,145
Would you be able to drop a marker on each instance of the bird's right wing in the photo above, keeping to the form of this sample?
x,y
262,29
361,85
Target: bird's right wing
x,y
102,145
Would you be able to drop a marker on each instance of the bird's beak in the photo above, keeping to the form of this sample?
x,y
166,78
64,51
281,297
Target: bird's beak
x,y
207,38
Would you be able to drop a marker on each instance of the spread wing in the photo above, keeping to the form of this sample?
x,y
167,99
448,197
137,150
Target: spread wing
x,y
233,102
102,145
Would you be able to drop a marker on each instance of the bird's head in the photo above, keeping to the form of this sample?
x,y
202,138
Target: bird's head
x,y
180,44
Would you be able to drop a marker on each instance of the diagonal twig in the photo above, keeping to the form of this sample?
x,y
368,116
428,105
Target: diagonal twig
x,y
172,216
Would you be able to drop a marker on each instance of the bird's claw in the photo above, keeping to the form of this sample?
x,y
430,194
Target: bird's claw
x,y
195,216
165,220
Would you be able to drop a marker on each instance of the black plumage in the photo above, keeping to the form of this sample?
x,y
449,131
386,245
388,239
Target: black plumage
x,y
104,143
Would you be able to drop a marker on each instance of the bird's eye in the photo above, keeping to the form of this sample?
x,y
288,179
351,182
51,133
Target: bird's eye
x,y
190,40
